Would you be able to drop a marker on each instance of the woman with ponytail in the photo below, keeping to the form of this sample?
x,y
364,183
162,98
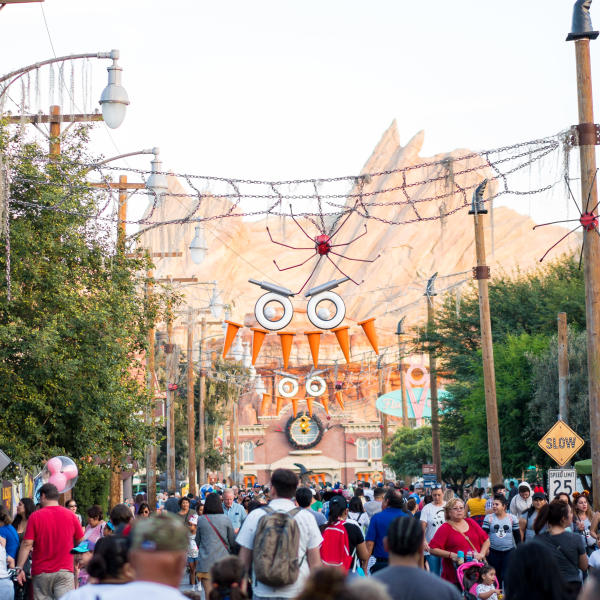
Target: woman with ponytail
x,y
227,579
108,567
568,548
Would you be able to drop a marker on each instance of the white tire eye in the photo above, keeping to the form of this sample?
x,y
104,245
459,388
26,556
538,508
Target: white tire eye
x,y
329,323
261,310
287,387
315,386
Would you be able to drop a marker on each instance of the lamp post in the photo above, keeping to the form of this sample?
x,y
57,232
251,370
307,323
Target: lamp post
x,y
113,101
399,333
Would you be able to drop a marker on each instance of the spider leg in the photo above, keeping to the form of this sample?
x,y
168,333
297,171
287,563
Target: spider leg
x,y
286,245
300,226
359,259
342,272
293,266
590,192
342,223
311,274
571,193
554,222
559,241
348,243
582,247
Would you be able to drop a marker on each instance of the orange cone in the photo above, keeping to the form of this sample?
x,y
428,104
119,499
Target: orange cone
x,y
314,340
309,402
232,329
325,404
295,406
286,346
257,339
266,400
340,399
341,333
280,403
369,329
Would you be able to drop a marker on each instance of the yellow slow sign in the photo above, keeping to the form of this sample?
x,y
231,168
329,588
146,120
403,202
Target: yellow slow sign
x,y
561,443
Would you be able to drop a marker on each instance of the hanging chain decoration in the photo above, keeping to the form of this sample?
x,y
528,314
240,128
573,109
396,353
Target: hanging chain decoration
x,y
320,200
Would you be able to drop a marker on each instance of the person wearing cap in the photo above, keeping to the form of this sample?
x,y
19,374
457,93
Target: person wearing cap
x,y
51,533
392,508
158,555
172,503
530,515
82,553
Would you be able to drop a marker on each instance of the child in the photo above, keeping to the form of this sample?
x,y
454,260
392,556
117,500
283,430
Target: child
x,y
228,580
83,554
486,589
192,554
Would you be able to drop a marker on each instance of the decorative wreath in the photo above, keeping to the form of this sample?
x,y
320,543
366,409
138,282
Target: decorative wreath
x,y
288,431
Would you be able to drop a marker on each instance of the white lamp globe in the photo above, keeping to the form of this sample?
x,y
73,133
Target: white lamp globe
x,y
114,98
198,246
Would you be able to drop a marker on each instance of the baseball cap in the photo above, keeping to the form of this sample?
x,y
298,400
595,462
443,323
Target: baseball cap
x,y
160,533
85,546
338,500
539,496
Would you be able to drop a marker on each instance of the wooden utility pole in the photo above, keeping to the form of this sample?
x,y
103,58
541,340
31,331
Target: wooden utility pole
x,y
587,160
563,369
399,333
201,405
191,413
482,273
171,376
232,448
150,418
435,415
384,417
54,130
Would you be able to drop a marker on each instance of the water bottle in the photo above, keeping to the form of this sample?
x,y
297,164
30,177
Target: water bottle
x,y
470,556
460,557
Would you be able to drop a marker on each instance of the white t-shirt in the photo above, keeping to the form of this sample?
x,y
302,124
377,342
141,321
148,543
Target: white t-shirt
x,y
594,559
434,517
147,590
482,589
310,537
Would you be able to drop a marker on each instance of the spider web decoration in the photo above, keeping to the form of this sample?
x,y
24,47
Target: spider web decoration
x,y
587,219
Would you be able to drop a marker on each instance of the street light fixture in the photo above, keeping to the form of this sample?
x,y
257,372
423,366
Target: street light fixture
x,y
259,386
157,182
237,351
198,246
216,303
114,99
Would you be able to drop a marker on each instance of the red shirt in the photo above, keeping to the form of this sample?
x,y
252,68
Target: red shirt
x,y
449,539
55,531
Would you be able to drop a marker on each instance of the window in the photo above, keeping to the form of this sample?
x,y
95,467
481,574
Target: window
x,y
376,448
362,449
247,452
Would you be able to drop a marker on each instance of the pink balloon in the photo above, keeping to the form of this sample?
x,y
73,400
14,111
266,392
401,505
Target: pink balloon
x,y
54,465
70,471
59,480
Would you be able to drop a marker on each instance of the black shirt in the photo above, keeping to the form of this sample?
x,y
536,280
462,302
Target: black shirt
x,y
566,547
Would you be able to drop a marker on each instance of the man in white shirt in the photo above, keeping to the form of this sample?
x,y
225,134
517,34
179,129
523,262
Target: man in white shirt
x,y
158,556
432,517
283,488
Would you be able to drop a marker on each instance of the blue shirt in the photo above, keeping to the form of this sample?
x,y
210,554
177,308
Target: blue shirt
x,y
12,540
378,528
236,515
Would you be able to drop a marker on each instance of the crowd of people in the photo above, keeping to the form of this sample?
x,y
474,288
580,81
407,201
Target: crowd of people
x,y
293,541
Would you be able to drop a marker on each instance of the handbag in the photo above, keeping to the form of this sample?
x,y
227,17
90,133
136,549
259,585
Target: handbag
x,y
225,545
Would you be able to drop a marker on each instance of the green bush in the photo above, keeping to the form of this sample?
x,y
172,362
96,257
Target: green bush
x,y
92,488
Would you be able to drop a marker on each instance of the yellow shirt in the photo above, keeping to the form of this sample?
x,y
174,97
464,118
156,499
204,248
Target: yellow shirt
x,y
476,506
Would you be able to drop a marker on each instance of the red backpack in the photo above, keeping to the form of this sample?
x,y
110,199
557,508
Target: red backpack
x,y
335,549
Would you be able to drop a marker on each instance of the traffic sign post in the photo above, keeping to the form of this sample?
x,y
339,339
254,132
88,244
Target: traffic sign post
x,y
428,469
561,443
561,481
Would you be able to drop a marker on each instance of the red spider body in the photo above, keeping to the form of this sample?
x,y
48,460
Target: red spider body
x,y
323,245
589,221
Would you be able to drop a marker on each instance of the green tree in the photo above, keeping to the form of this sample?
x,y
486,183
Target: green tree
x,y
76,322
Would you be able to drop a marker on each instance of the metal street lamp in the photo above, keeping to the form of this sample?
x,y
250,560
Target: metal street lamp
x,y
198,246
114,99
216,303
157,182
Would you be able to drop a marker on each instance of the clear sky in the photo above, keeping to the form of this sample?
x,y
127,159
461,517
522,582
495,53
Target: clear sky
x,y
277,89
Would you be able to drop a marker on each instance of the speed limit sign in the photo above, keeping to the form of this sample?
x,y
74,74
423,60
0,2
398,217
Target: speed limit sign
x,y
561,481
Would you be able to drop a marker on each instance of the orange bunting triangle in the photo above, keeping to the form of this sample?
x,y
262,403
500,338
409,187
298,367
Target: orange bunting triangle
x,y
295,406
341,333
314,341
369,328
232,329
286,346
325,403
266,400
257,339
340,399
309,406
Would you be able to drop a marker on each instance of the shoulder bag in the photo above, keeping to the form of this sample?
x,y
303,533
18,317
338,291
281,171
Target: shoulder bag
x,y
225,545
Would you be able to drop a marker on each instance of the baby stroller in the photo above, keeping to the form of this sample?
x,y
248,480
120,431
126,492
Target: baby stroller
x,y
468,574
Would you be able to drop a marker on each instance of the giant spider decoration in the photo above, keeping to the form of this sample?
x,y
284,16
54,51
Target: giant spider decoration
x,y
323,247
587,219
